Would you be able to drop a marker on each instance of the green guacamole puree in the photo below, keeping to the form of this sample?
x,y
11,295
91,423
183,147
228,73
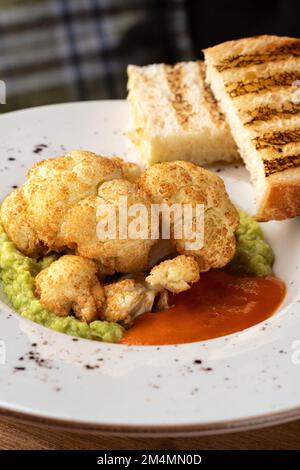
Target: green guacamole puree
x,y
253,255
17,274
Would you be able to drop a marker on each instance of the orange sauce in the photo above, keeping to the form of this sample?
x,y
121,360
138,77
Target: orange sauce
x,y
219,304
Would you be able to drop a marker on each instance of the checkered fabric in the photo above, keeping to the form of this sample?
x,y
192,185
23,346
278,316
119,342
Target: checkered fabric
x,y
66,50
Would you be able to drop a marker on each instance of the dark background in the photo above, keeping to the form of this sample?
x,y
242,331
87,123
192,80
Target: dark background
x,y
211,22
70,50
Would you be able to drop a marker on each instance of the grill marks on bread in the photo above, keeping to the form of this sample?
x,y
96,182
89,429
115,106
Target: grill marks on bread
x,y
262,84
209,97
257,81
279,164
284,52
277,139
182,107
179,101
269,112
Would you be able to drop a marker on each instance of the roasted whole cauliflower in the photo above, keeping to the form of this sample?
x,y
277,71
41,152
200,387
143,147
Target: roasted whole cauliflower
x,y
63,207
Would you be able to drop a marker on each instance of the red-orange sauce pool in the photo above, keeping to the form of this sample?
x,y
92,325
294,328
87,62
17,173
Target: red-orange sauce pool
x,y
219,304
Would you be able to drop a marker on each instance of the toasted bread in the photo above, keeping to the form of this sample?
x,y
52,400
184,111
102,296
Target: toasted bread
x,y
255,82
175,116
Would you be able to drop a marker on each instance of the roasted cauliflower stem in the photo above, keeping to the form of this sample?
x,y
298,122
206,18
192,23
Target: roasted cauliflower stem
x,y
79,229
13,217
184,182
174,275
127,299
70,284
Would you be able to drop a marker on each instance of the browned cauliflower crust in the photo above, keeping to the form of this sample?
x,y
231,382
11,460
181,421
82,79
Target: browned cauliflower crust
x,y
70,284
36,211
79,230
174,275
13,215
55,185
184,182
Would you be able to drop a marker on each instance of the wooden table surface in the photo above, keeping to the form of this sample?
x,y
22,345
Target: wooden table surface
x,y
16,435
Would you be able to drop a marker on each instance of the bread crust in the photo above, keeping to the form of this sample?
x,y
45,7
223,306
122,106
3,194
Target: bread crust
x,y
281,200
249,45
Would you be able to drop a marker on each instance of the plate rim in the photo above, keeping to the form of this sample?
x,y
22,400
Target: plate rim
x,y
213,428
217,427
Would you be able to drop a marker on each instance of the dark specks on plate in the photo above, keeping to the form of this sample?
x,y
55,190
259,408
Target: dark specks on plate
x,y
34,357
39,148
91,367
197,361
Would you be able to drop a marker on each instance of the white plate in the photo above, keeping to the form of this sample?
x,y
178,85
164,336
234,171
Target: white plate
x,y
254,378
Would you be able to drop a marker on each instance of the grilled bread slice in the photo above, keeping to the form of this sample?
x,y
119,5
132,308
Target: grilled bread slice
x,y
255,81
175,116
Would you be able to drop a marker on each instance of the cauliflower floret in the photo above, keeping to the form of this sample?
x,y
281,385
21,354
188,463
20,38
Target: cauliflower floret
x,y
13,214
32,216
174,275
70,284
126,299
184,182
55,185
79,229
